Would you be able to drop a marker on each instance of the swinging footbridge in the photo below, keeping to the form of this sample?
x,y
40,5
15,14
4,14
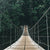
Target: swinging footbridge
x,y
24,42
25,38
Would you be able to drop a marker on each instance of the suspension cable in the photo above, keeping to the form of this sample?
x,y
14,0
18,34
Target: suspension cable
x,y
40,18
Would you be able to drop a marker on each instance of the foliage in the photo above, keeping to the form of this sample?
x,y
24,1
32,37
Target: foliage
x,y
21,12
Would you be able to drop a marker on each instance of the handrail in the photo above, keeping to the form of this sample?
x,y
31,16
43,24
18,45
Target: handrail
x,y
40,18
41,29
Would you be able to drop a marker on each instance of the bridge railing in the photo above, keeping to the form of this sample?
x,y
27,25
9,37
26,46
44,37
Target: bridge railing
x,y
9,33
40,32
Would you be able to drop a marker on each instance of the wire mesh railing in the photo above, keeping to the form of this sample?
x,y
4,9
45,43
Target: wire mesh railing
x,y
9,33
40,32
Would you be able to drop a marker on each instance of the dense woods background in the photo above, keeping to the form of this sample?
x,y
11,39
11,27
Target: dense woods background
x,y
20,12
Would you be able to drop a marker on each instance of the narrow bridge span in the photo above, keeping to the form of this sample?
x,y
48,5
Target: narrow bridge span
x,y
25,42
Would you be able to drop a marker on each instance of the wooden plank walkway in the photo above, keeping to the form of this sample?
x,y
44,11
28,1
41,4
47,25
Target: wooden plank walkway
x,y
25,43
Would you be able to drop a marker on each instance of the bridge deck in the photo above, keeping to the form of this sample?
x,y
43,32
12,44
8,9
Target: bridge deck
x,y
24,43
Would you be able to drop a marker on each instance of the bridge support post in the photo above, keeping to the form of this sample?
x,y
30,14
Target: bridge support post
x,y
10,35
34,32
38,33
0,22
47,31
3,34
15,33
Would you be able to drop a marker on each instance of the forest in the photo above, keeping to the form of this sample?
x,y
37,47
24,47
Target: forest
x,y
16,13
22,12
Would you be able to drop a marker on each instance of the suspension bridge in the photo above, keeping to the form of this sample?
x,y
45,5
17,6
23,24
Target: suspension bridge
x,y
35,38
24,43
